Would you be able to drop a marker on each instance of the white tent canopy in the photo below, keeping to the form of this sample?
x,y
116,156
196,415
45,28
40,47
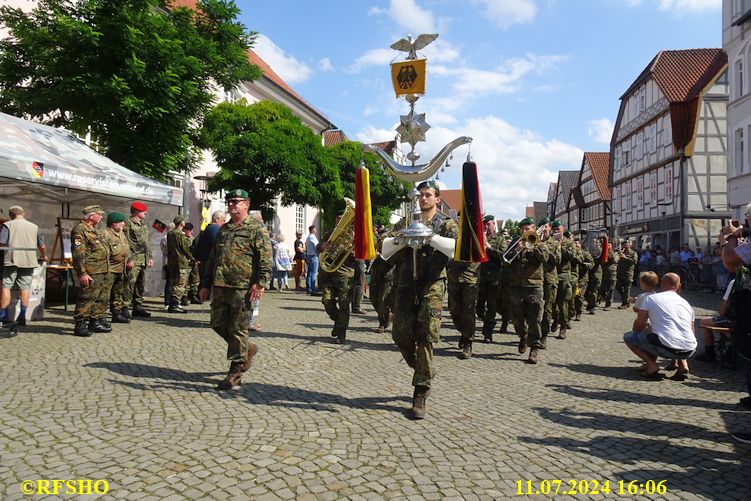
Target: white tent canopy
x,y
32,153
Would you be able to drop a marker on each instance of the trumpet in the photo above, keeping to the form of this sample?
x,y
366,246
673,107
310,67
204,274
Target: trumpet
x,y
530,239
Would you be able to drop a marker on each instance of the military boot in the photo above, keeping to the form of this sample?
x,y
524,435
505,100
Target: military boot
x,y
234,377
252,350
533,355
578,317
184,301
607,306
194,300
140,312
554,327
523,342
174,307
106,324
487,336
124,312
81,329
504,327
95,326
119,318
341,336
544,342
466,353
419,402
562,334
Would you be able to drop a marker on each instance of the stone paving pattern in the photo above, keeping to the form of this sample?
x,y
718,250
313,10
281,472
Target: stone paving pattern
x,y
314,420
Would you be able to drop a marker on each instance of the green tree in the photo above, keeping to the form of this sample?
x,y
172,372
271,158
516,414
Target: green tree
x,y
134,74
513,228
266,150
386,193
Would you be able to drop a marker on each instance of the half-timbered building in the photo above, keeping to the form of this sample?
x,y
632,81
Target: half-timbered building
x,y
566,180
589,207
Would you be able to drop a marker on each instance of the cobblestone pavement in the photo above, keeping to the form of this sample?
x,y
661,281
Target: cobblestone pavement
x,y
313,420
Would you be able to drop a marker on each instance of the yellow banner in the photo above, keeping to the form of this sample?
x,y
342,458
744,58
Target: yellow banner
x,y
408,77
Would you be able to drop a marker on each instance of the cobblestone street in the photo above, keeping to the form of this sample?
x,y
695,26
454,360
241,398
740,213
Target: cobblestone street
x,y
313,420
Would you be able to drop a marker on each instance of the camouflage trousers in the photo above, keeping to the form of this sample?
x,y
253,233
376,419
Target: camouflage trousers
x,y
563,303
117,292
504,302
93,300
336,297
358,285
579,297
229,319
549,312
179,279
382,296
608,285
136,279
526,312
417,327
462,303
623,286
194,280
593,289
492,303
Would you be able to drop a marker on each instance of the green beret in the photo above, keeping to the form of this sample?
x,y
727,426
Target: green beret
x,y
567,234
488,217
236,193
178,220
526,221
115,217
429,184
556,224
543,221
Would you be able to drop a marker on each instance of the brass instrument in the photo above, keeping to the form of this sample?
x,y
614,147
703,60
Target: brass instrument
x,y
342,240
596,243
530,239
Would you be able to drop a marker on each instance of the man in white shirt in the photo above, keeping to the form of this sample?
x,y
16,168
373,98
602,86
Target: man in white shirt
x,y
664,327
311,261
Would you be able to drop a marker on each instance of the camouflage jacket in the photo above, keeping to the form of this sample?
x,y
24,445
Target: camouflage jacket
x,y
241,256
550,267
570,259
627,263
586,264
178,250
461,272
610,267
526,270
491,269
118,248
138,238
431,264
90,252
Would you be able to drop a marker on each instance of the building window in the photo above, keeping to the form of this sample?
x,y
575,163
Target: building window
x,y
643,99
739,78
739,7
638,146
299,218
626,156
668,183
739,151
653,188
231,95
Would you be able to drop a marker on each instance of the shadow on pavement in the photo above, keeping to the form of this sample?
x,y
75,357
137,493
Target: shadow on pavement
x,y
723,474
254,392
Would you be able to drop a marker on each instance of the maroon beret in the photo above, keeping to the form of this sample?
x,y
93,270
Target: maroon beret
x,y
138,206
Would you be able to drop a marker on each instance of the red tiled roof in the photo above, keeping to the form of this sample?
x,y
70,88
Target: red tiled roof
x,y
599,163
452,198
332,137
387,146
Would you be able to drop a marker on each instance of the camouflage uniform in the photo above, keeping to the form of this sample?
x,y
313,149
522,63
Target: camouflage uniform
x,y
358,285
240,258
140,248
490,279
91,257
593,286
178,263
337,288
119,251
462,289
567,279
625,275
587,263
527,300
382,289
609,273
417,306
550,286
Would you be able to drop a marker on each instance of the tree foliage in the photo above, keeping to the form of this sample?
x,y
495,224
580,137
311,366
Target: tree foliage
x,y
268,151
135,75
513,228
386,193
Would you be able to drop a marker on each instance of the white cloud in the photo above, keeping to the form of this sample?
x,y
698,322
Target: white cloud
x,y
600,130
515,166
372,134
506,13
324,64
412,17
286,66
682,6
374,57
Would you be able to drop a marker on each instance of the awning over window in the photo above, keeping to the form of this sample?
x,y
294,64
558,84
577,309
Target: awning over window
x,y
41,154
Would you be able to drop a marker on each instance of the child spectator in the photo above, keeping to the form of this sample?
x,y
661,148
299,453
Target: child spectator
x,y
648,281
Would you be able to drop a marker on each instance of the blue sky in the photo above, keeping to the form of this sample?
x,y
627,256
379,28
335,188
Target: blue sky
x,y
534,82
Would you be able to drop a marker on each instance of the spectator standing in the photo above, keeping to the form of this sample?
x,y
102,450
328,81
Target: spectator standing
x,y
299,248
18,265
206,242
283,263
140,248
273,237
311,261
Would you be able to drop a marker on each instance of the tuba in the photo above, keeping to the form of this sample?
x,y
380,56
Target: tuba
x,y
596,243
342,240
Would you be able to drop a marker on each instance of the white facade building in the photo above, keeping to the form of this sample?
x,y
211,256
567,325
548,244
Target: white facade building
x,y
668,168
736,27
